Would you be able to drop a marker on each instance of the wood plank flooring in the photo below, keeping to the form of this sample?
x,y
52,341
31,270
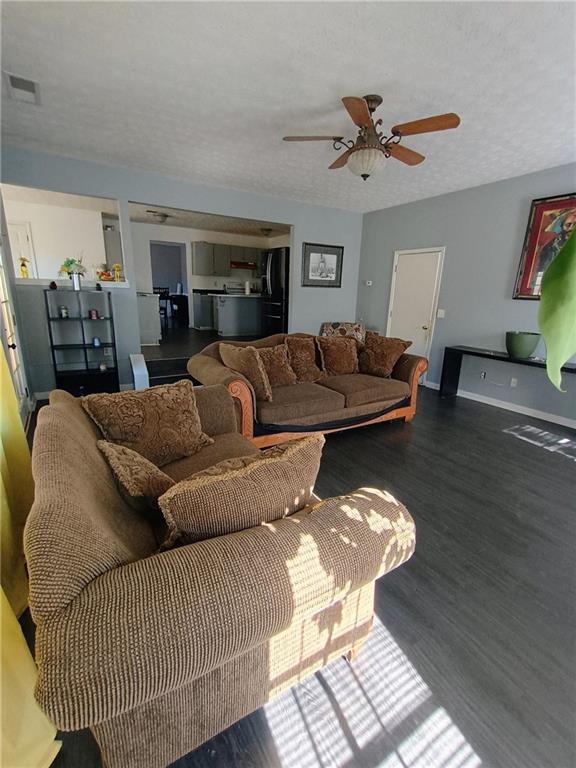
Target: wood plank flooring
x,y
471,661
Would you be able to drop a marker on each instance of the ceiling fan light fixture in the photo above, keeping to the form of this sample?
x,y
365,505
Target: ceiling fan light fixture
x,y
365,160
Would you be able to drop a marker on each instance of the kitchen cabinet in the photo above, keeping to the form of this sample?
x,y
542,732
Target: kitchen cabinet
x,y
215,258
203,258
221,259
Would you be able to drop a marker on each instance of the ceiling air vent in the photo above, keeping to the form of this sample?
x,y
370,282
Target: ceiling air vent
x,y
21,89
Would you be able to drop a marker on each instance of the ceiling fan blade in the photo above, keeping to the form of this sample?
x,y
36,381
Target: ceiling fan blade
x,y
358,110
404,154
341,161
428,125
313,138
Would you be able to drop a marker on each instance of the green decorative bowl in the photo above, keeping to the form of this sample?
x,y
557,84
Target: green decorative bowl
x,y
521,344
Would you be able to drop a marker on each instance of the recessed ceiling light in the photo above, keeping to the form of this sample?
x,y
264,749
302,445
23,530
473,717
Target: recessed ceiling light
x,y
22,89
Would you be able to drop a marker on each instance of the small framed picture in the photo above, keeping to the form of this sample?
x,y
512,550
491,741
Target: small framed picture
x,y
550,224
322,265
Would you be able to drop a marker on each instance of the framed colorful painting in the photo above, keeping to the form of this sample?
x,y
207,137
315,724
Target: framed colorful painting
x,y
551,222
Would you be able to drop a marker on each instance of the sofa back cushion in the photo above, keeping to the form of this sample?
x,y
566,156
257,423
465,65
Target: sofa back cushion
x,y
339,354
161,423
213,350
79,525
353,330
246,361
244,492
380,354
302,356
277,365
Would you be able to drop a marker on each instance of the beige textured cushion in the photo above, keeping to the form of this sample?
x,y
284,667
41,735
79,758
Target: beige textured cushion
x,y
138,477
339,354
246,361
244,492
277,365
380,354
354,330
160,423
302,354
359,388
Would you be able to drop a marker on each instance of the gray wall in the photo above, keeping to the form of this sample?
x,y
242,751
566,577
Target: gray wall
x,y
309,307
483,231
168,262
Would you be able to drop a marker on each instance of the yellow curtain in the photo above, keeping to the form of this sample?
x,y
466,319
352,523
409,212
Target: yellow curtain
x,y
16,494
27,736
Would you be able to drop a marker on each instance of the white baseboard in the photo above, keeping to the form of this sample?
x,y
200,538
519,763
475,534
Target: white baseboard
x,y
544,415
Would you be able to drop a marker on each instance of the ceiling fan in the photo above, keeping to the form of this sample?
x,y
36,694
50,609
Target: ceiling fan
x,y
367,153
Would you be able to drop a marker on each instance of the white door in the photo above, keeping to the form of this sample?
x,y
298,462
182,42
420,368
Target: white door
x,y
10,343
22,248
414,297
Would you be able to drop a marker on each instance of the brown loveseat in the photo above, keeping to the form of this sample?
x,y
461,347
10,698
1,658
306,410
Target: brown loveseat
x,y
331,404
158,652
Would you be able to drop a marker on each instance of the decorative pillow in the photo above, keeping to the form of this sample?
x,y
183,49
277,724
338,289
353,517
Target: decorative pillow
x,y
244,492
354,330
380,354
137,476
302,354
246,361
160,423
277,365
339,354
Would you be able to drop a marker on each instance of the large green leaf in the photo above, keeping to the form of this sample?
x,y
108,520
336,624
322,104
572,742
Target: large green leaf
x,y
557,316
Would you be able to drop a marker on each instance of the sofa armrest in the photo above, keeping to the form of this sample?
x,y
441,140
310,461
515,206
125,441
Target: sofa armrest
x,y
149,627
408,367
216,409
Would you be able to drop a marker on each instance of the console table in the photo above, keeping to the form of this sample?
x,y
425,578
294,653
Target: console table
x,y
453,362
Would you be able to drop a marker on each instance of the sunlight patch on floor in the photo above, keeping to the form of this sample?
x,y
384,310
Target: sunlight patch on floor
x,y
376,712
544,439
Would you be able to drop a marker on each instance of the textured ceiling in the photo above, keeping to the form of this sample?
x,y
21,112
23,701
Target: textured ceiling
x,y
207,221
205,91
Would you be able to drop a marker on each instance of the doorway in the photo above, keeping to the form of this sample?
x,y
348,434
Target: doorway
x,y
22,247
414,295
170,283
11,345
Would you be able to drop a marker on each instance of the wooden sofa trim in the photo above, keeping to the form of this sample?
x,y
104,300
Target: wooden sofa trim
x,y
239,390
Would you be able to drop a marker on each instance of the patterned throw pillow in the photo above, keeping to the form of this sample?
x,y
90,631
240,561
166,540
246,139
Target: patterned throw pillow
x,y
380,354
246,361
160,423
138,477
339,354
277,365
302,354
245,492
354,330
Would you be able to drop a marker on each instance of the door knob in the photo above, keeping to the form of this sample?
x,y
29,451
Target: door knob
x,y
12,346
424,327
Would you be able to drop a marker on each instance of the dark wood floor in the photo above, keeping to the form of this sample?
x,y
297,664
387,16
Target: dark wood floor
x,y
179,342
471,661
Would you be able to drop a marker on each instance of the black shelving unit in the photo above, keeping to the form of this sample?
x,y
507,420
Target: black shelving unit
x,y
78,362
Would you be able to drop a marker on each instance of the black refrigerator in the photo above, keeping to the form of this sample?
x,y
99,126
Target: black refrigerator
x,y
275,281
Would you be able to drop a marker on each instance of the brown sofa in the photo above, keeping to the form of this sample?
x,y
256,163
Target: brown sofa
x,y
332,404
158,652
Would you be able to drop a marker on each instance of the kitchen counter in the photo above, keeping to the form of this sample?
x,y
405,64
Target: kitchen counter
x,y
233,317
238,295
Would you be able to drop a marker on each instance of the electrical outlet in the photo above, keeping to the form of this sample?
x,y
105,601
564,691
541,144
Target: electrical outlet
x,y
107,352
440,313
513,382
482,374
